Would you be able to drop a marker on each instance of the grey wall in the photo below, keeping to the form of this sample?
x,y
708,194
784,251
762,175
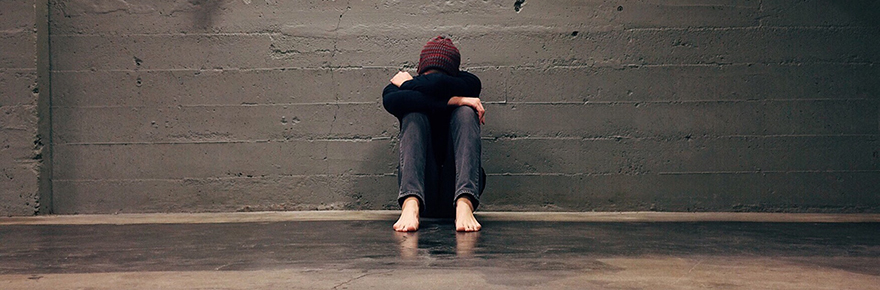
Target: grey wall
x,y
20,146
190,106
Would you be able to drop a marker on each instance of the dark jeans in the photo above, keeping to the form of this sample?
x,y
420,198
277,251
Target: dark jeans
x,y
440,160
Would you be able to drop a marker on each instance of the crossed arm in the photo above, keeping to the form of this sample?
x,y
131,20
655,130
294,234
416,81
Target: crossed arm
x,y
432,92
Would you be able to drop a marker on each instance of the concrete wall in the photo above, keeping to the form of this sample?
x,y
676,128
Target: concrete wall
x,y
695,105
20,145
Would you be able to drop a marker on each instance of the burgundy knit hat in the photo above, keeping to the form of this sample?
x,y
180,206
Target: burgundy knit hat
x,y
440,53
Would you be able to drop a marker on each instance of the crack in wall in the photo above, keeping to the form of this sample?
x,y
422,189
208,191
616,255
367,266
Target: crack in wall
x,y
336,92
333,80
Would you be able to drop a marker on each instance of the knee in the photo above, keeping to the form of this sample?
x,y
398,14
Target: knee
x,y
414,120
465,115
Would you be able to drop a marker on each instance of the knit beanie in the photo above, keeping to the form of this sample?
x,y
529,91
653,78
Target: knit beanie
x,y
440,53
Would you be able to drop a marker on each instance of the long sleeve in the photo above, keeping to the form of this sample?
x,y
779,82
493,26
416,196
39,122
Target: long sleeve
x,y
428,93
400,102
441,85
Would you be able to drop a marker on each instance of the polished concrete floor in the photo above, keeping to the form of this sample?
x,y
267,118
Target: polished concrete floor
x,y
357,250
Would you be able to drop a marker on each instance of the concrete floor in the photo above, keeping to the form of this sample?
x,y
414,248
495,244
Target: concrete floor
x,y
358,250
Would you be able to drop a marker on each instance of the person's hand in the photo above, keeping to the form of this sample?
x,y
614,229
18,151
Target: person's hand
x,y
470,102
400,78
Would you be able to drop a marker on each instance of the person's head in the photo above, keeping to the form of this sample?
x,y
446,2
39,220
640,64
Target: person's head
x,y
439,54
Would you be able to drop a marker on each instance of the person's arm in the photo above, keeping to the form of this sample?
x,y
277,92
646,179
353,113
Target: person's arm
x,y
401,102
468,94
445,86
406,94
474,103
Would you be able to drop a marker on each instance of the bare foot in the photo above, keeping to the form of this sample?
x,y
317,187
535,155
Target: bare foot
x,y
409,216
464,216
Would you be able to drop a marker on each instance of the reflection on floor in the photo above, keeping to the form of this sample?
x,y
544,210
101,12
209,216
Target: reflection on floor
x,y
322,254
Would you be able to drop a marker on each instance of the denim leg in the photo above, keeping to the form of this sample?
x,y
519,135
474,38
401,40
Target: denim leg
x,y
464,135
416,158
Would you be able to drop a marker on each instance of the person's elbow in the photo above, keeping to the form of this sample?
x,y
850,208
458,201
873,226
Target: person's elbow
x,y
393,103
476,85
472,84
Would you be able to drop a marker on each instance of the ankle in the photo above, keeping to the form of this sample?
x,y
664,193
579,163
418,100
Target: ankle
x,y
464,203
410,203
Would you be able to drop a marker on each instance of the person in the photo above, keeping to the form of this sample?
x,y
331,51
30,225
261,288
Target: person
x,y
440,114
